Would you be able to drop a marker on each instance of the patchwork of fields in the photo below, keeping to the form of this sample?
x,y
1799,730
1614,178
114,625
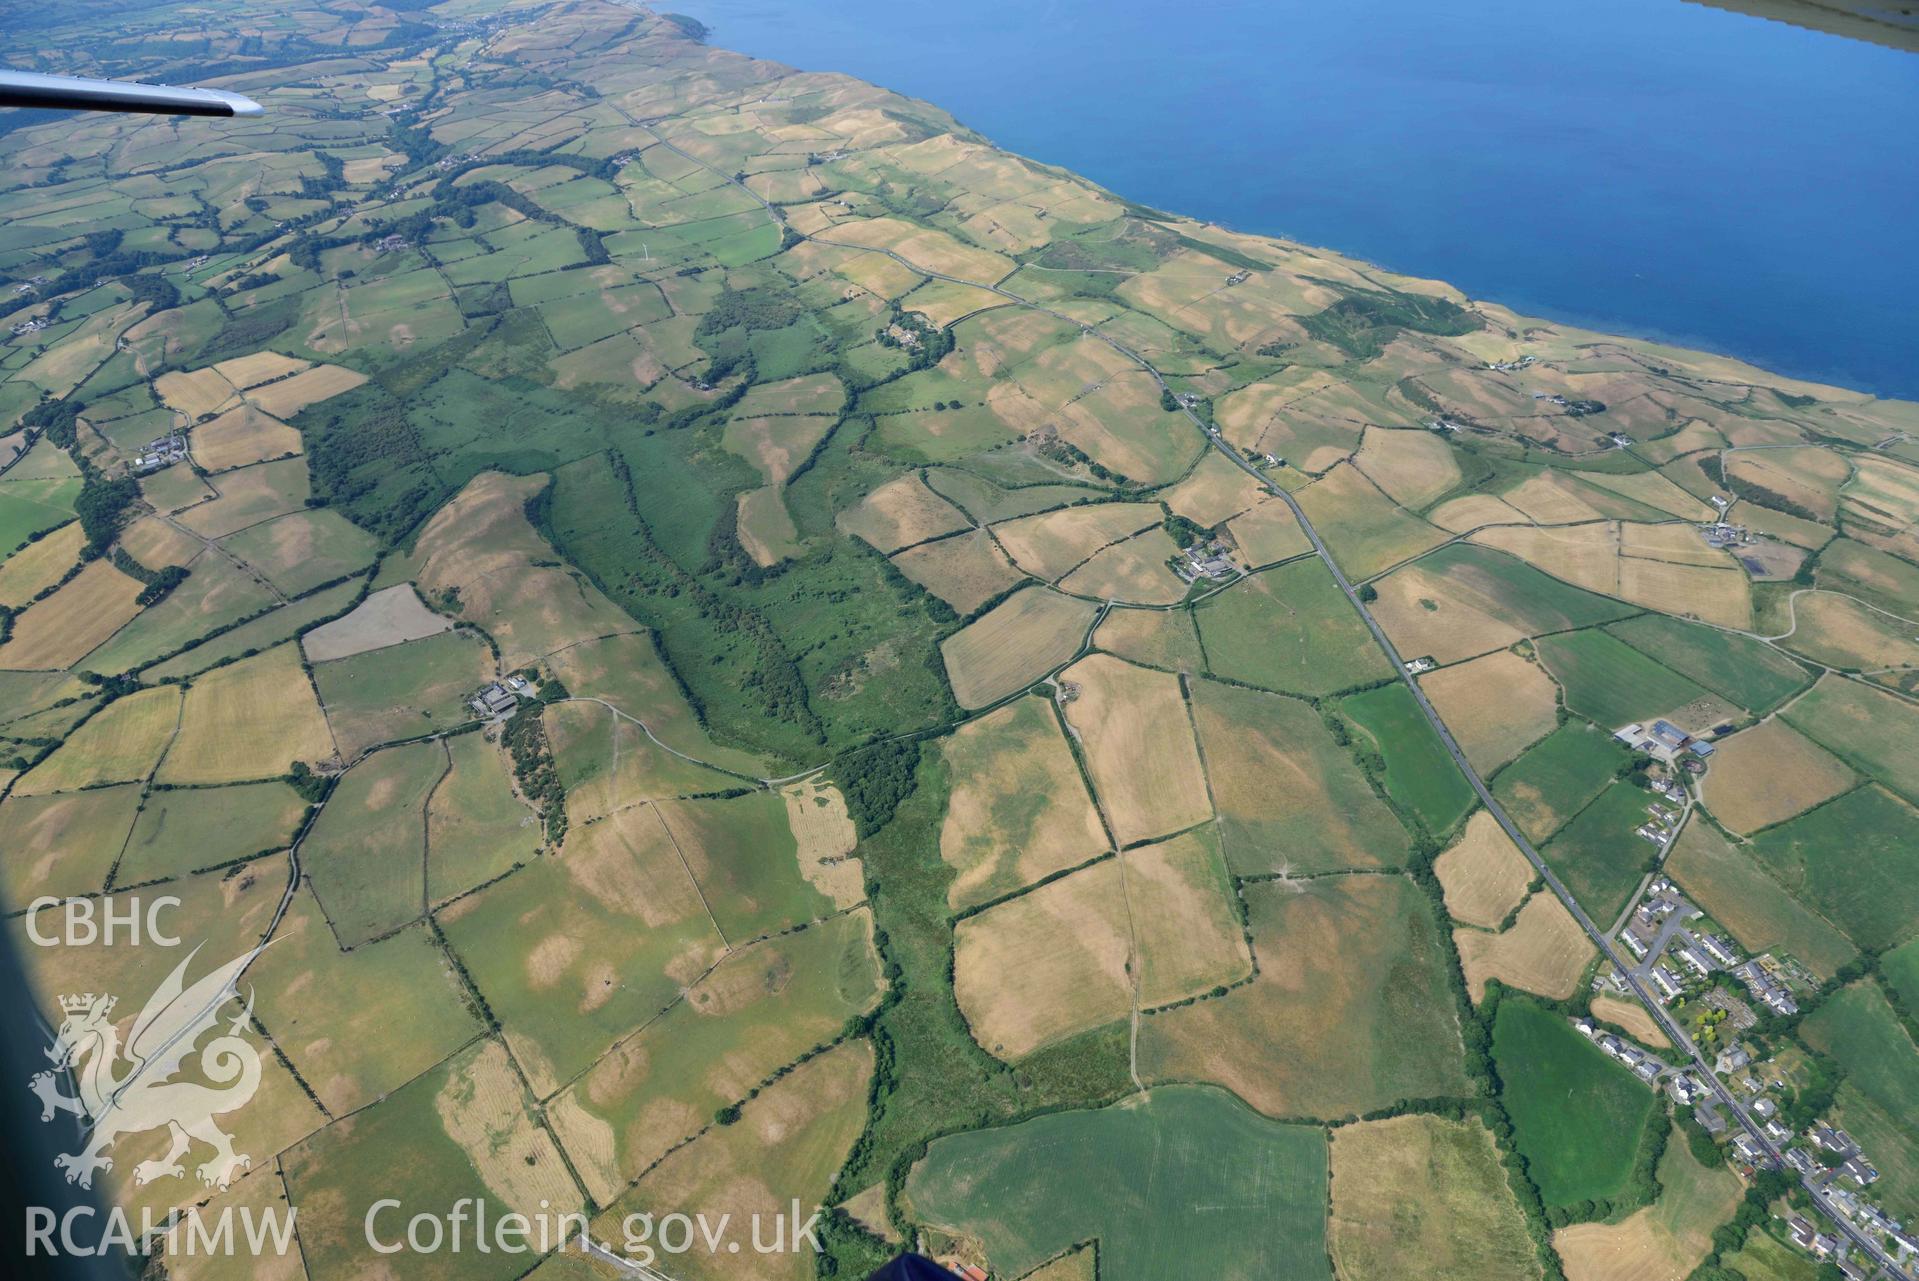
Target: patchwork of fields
x,y
694,609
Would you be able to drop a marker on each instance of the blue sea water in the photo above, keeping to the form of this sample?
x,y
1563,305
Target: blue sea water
x,y
1651,167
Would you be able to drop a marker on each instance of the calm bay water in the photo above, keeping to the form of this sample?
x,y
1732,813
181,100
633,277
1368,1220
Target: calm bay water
x,y
1646,166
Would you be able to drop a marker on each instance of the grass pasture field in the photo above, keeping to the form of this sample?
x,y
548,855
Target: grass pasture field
x,y
1611,683
120,744
366,854
1853,860
1137,738
1134,571
1483,874
1290,798
1018,810
1870,730
217,593
1014,644
1556,778
63,844
1731,883
301,550
1663,1241
607,762
1419,773
1881,1090
1424,1196
1495,706
466,1132
1289,629
1031,1191
745,859
1349,1012
1767,774
476,826
1577,1116
901,513
786,1146
1597,854
758,1011
606,936
249,720
627,671
1163,638
264,632
1739,669
404,690
1366,530
1545,951
185,830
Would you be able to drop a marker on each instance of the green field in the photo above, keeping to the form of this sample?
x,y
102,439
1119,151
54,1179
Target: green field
x,y
744,858
260,633
1557,777
1901,969
366,854
1728,881
1740,670
1577,1116
403,691
476,828
1290,630
1869,729
1881,1091
1598,855
1031,1191
1510,589
184,829
1855,860
1610,682
1420,774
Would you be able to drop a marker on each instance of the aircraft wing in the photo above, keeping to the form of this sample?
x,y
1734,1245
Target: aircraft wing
x,y
30,89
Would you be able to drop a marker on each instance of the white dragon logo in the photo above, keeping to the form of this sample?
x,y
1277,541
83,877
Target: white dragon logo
x,y
144,1097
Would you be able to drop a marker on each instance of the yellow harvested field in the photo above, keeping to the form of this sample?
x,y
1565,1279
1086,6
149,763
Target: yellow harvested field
x,y
1545,951
38,566
1474,511
1014,644
901,513
1413,467
965,571
1366,531
1018,810
64,628
1046,965
1551,498
154,543
194,394
1134,730
289,396
1631,1018
1496,706
1595,556
1423,1196
1720,596
1664,1241
252,719
1654,490
119,745
1483,874
824,833
1767,774
1186,930
1215,491
1680,544
260,367
1134,572
1050,544
925,249
482,1107
1153,637
942,302
241,436
1842,632
1269,532
1422,613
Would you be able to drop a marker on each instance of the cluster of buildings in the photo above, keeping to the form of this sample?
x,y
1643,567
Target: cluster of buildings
x,y
163,451
1724,536
1507,366
1664,741
1766,987
1239,278
1646,1067
22,328
393,244
1210,559
499,699
1659,828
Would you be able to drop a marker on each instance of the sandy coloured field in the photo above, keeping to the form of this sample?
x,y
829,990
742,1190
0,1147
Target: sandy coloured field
x,y
1545,951
1631,1018
260,367
901,513
38,566
194,394
250,720
1267,533
1215,491
1132,572
288,397
1767,774
1013,644
1413,467
1474,511
1138,742
65,627
244,434
1483,874
387,617
1052,543
1422,615
1495,706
